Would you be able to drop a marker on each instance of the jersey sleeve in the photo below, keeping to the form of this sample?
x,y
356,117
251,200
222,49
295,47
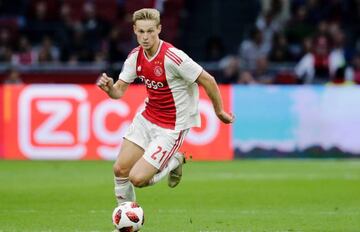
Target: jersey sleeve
x,y
183,65
128,72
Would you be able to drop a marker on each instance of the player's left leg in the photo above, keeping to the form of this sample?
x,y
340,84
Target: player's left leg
x,y
141,173
160,159
144,174
173,169
175,173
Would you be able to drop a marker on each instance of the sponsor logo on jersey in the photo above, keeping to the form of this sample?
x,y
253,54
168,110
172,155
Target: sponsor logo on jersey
x,y
151,83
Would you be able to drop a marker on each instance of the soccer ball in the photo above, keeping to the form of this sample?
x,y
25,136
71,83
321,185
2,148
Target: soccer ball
x,y
128,217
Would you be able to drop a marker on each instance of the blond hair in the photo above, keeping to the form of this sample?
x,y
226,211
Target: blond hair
x,y
147,14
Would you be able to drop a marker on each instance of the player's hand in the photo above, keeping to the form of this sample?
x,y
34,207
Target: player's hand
x,y
226,117
105,83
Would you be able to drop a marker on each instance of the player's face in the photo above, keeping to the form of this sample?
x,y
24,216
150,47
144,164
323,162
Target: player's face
x,y
147,33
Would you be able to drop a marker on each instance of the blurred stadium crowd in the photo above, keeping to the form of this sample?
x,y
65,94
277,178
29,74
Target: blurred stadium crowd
x,y
289,42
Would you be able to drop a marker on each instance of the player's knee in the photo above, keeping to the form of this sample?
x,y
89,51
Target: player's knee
x,y
137,180
120,171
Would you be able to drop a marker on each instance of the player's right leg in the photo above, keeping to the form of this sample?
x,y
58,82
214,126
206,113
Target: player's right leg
x,y
129,154
136,139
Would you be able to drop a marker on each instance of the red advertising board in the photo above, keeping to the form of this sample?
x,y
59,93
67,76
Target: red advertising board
x,y
80,122
1,122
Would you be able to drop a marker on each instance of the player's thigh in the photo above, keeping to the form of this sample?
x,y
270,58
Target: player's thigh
x,y
142,172
159,151
136,139
163,147
129,154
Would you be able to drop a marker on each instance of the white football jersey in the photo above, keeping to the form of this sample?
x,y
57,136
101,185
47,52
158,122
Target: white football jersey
x,y
169,77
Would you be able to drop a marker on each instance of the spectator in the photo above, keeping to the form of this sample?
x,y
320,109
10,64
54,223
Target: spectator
x,y
39,23
280,10
306,47
47,52
298,29
323,29
252,49
229,70
115,49
65,31
7,55
268,27
353,72
80,49
261,73
245,78
13,77
319,65
5,38
5,45
275,14
100,57
94,27
24,55
338,55
314,64
280,51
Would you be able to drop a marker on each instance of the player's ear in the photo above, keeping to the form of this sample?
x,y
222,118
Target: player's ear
x,y
159,28
134,28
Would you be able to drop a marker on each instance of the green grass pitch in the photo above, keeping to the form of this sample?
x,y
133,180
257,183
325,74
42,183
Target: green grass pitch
x,y
239,196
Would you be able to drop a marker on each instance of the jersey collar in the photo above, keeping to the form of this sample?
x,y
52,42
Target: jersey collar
x,y
155,55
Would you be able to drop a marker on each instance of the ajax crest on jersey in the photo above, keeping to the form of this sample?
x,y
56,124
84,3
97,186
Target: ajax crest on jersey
x,y
158,71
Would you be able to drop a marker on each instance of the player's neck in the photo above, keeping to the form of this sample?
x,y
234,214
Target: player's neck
x,y
152,51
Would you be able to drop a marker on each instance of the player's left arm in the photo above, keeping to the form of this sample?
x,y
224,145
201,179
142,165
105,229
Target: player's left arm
x,y
212,90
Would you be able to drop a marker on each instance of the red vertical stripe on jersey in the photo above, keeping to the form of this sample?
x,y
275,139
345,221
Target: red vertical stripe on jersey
x,y
160,108
2,121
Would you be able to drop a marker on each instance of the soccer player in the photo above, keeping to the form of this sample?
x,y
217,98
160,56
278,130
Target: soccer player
x,y
150,147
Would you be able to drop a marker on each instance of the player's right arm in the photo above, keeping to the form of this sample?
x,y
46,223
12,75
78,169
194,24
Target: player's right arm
x,y
126,76
115,91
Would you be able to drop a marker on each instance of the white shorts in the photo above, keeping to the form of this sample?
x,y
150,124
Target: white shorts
x,y
160,144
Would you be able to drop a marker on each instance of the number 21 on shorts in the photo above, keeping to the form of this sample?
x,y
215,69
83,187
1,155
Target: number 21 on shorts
x,y
158,153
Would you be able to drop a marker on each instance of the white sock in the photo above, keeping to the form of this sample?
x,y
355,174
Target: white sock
x,y
124,190
172,164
